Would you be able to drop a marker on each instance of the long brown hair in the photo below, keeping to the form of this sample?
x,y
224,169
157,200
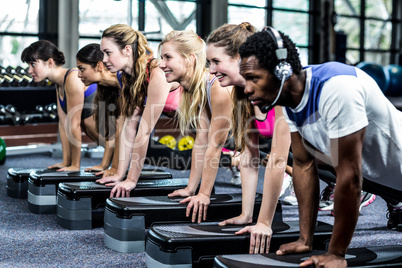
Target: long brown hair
x,y
134,84
231,37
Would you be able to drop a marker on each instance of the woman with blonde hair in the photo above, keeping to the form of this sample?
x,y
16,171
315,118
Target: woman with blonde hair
x,y
205,107
249,123
146,94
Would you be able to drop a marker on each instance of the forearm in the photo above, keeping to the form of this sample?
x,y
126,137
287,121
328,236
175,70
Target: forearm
x,y
197,160
346,209
75,145
273,180
249,181
210,169
65,145
108,154
138,157
126,141
306,185
117,137
115,161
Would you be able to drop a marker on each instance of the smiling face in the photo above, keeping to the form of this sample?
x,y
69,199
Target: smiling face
x,y
261,85
114,58
174,65
87,73
39,70
224,67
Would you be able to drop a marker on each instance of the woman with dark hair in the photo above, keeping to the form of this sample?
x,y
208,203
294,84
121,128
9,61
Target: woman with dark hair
x,y
107,102
74,100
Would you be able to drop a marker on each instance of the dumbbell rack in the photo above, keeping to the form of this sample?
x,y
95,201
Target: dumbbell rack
x,y
25,99
25,137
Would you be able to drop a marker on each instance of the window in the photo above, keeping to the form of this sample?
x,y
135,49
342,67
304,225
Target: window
x,y
255,14
161,17
97,15
290,17
368,27
19,27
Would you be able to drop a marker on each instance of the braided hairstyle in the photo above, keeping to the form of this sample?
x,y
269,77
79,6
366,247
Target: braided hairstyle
x,y
135,84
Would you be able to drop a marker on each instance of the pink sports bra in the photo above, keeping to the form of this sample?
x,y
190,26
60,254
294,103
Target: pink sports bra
x,y
266,127
173,100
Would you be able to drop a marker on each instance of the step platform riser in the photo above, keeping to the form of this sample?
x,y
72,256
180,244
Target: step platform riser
x,y
126,218
174,245
370,257
43,186
80,205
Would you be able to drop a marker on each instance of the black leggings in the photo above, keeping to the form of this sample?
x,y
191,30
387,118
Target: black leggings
x,y
325,175
390,195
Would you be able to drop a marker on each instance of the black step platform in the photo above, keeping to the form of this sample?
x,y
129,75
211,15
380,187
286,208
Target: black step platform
x,y
368,257
126,219
17,181
80,205
43,186
196,245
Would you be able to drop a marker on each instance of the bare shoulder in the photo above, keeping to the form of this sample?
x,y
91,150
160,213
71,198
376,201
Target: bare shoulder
x,y
73,82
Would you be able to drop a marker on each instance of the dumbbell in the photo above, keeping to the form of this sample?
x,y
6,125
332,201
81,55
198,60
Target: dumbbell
x,y
51,108
34,117
2,110
3,118
52,111
47,111
12,112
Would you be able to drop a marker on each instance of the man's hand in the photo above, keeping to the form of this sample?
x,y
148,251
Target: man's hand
x,y
326,260
294,247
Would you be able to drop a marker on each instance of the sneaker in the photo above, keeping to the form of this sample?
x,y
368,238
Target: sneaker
x,y
236,179
327,198
365,200
290,199
286,182
394,216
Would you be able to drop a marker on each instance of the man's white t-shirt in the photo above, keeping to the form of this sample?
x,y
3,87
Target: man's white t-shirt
x,y
340,100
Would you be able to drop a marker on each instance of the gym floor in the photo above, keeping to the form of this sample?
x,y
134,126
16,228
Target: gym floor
x,y
32,240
